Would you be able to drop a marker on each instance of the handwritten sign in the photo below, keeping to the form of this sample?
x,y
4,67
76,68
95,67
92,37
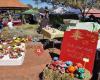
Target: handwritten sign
x,y
79,44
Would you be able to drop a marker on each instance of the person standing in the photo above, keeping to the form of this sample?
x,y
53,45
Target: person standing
x,y
10,17
10,25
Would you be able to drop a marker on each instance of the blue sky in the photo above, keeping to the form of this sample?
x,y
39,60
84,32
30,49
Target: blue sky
x,y
33,3
26,1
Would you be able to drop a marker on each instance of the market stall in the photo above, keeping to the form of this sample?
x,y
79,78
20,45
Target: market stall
x,y
31,68
76,58
9,9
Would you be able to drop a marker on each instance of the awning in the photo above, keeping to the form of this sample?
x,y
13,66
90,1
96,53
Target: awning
x,y
31,11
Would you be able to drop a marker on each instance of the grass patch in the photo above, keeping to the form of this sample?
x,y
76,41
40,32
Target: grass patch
x,y
28,26
25,29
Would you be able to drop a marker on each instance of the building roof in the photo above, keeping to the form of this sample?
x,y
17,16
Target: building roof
x,y
12,4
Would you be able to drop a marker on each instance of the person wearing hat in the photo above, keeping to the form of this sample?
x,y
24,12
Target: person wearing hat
x,y
41,23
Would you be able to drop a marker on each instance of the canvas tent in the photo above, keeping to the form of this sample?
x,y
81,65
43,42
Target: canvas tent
x,y
73,10
59,10
12,4
62,10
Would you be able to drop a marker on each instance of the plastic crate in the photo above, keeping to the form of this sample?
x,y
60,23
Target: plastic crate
x,y
7,61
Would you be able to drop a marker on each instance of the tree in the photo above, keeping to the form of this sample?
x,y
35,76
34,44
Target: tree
x,y
48,1
30,6
37,2
80,4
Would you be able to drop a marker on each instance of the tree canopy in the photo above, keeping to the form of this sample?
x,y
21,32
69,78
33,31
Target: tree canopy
x,y
80,4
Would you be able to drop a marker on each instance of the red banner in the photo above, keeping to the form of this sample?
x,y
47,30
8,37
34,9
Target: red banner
x,y
79,46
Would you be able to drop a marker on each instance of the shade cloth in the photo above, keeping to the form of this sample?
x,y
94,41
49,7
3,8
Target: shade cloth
x,y
30,11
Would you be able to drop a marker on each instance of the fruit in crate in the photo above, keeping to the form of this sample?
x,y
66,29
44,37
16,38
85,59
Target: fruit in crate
x,y
11,52
13,55
15,52
17,40
23,40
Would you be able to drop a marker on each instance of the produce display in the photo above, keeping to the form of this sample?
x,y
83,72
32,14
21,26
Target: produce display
x,y
11,49
59,70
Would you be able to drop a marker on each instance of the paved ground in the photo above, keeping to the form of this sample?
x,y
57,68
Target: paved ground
x,y
33,64
31,68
